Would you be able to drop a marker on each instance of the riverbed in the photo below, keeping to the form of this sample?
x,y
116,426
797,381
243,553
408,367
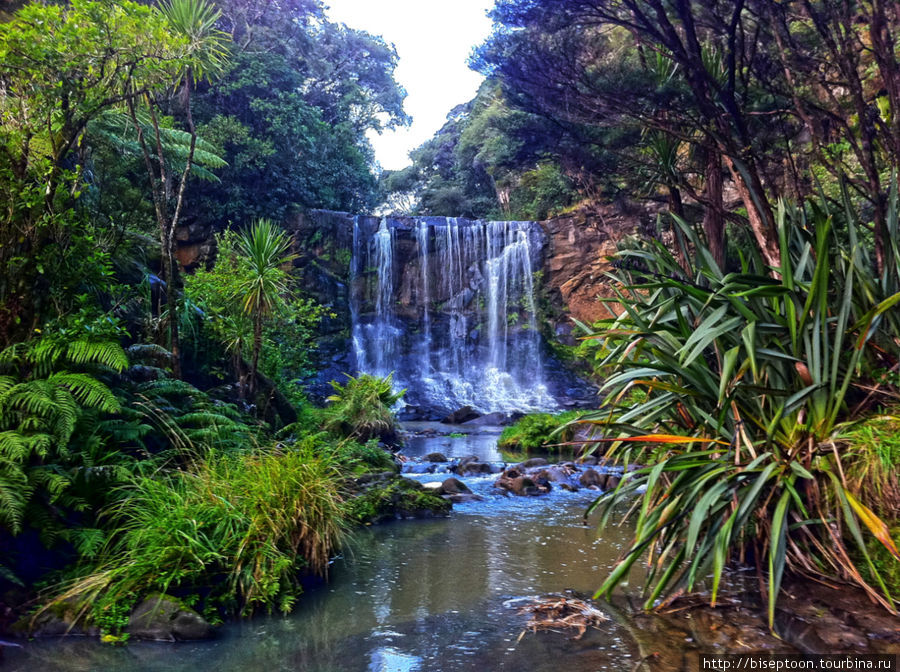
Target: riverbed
x,y
434,594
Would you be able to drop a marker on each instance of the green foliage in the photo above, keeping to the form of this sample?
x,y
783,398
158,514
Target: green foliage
x,y
872,447
265,249
241,527
359,458
187,422
118,130
361,408
752,374
489,160
291,115
398,497
62,67
45,388
541,193
196,21
536,430
288,328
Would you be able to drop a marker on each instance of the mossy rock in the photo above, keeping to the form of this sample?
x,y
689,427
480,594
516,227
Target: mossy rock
x,y
392,498
161,617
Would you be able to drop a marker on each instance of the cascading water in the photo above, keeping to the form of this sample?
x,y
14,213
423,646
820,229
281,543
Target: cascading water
x,y
376,342
456,321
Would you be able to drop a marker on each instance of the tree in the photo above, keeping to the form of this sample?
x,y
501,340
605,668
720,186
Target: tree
x,y
292,113
61,66
266,249
194,21
288,332
592,61
839,72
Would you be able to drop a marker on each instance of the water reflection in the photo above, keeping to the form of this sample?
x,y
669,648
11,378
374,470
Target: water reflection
x,y
480,441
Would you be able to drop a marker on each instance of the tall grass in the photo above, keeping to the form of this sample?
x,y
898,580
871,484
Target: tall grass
x,y
749,375
240,530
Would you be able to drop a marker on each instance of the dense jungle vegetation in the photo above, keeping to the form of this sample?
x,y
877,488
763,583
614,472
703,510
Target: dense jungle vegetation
x,y
152,436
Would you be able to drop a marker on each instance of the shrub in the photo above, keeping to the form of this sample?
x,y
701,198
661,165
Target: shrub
x,y
51,390
536,430
349,456
361,408
748,376
872,448
238,528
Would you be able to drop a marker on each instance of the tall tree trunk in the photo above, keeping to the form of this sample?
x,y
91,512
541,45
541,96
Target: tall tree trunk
x,y
714,217
257,346
161,190
762,221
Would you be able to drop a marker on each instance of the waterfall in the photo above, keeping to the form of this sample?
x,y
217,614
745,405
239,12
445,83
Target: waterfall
x,y
425,301
456,318
376,341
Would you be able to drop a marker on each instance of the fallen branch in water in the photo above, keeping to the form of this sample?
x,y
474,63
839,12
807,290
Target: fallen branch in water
x,y
559,614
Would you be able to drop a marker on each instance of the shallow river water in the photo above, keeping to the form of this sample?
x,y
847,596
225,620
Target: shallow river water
x,y
439,594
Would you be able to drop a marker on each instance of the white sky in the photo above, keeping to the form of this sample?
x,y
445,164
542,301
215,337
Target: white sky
x,y
433,40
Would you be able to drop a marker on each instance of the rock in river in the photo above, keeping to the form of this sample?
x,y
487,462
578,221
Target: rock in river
x,y
164,618
453,486
459,416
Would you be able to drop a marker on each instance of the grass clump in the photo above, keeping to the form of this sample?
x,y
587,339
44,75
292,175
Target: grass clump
x,y
239,530
536,430
873,451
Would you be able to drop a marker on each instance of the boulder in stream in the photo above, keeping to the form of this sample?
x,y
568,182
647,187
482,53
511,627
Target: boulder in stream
x,y
436,457
535,462
163,618
591,478
453,486
461,415
474,468
517,483
488,420
472,465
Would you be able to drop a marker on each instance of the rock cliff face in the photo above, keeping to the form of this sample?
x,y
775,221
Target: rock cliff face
x,y
576,262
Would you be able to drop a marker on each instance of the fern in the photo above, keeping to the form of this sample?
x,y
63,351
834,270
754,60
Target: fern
x,y
41,402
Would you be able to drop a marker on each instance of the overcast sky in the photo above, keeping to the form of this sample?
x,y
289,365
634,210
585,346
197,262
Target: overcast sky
x,y
433,39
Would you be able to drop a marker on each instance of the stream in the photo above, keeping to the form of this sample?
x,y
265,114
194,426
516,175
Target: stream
x,y
436,594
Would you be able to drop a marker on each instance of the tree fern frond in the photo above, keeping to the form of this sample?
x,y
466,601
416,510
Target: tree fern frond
x,y
12,354
105,353
50,481
87,390
14,492
7,383
14,447
33,398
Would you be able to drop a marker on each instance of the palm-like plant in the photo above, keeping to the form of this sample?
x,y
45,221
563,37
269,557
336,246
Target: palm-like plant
x,y
752,376
266,249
